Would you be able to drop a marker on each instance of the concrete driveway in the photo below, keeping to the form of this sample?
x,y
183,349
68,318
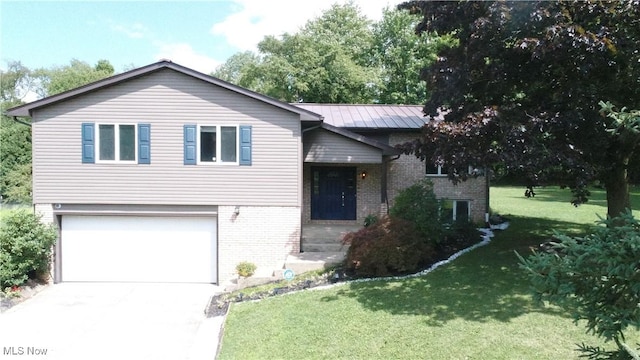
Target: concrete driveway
x,y
112,321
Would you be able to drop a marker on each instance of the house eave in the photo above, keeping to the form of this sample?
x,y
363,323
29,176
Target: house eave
x,y
26,110
386,149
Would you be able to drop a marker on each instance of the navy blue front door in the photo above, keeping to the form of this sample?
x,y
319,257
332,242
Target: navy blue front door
x,y
333,193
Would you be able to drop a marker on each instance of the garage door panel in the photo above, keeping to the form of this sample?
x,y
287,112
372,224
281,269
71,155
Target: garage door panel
x,y
146,249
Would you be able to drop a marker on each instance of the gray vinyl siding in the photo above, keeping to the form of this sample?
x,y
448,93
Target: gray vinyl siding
x,y
167,100
322,146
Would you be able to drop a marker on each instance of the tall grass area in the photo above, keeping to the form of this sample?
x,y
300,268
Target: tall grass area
x,y
477,307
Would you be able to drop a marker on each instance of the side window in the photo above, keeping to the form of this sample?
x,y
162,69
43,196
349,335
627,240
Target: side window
x,y
436,170
217,144
116,143
455,210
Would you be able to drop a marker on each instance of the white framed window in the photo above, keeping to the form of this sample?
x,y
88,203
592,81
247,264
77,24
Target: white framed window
x,y
455,210
436,170
116,143
218,144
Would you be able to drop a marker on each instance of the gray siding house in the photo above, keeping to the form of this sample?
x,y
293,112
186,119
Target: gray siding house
x,y
165,174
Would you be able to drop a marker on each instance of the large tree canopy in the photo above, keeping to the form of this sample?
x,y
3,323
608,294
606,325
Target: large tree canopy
x,y
340,57
324,62
524,86
58,79
400,55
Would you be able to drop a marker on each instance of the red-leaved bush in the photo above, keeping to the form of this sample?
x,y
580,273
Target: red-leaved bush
x,y
390,246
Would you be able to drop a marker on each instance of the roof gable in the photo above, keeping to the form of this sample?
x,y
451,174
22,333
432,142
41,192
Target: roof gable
x,y
26,109
386,149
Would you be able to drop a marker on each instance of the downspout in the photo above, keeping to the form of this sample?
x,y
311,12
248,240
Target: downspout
x,y
15,118
384,196
487,175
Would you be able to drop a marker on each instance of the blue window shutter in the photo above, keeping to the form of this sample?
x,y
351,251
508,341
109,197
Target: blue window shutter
x,y
190,145
144,143
245,145
88,143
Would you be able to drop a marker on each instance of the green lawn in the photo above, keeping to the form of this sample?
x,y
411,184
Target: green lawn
x,y
477,307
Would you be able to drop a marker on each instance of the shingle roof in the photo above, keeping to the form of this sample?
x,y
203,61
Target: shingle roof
x,y
369,117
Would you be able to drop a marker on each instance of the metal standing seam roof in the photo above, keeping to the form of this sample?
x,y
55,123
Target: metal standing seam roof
x,y
369,116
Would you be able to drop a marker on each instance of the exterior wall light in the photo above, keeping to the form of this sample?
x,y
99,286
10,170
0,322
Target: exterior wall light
x,y
363,175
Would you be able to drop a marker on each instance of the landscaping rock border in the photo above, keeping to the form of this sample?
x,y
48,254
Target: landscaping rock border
x,y
26,291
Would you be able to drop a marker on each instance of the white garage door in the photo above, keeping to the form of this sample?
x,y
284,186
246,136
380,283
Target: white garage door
x,y
138,248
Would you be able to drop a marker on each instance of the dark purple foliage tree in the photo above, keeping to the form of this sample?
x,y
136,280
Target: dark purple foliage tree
x,y
522,90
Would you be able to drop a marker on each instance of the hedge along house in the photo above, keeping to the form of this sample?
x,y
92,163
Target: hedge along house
x,y
164,174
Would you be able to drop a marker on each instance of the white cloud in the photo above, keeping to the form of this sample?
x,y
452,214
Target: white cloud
x,y
255,19
133,31
184,54
178,52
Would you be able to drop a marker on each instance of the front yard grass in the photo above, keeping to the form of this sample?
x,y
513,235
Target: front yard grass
x,y
477,307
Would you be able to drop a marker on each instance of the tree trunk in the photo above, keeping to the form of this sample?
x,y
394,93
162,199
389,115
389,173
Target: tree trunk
x,y
617,186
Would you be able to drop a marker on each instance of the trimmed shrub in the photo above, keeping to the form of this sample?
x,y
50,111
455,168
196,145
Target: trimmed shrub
x,y
246,269
460,235
370,220
419,205
25,248
390,246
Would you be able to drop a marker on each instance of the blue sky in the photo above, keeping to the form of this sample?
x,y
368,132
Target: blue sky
x,y
197,34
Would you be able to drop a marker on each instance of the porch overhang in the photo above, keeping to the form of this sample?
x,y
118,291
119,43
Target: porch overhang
x,y
333,145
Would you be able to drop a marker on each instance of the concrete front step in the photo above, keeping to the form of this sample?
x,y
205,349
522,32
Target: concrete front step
x,y
323,247
322,240
326,238
309,261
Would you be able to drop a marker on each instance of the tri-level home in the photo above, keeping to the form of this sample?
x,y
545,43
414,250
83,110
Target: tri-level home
x,y
165,174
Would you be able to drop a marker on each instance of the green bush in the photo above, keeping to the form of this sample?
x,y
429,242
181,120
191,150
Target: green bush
x,y
419,205
246,269
370,220
25,248
461,234
390,246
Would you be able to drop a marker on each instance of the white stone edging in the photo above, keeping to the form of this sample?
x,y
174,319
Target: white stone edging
x,y
486,239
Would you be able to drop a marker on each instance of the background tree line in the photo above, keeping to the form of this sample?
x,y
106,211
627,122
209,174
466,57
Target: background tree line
x,y
17,83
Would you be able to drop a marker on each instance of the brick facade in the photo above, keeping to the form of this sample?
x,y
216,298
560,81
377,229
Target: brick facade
x,y
45,211
408,169
402,173
262,235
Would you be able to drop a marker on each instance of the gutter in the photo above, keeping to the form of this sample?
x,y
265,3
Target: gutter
x,y
311,128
